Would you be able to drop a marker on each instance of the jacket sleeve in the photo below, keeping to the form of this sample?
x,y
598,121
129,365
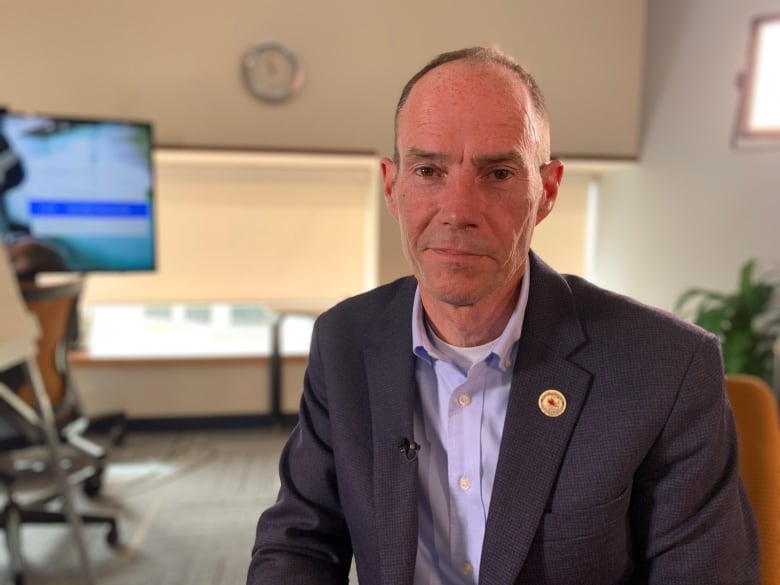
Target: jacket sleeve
x,y
303,538
692,520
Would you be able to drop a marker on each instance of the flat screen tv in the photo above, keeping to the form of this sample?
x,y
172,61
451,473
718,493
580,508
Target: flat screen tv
x,y
76,194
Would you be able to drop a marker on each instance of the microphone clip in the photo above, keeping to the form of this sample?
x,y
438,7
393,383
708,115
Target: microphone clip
x,y
408,447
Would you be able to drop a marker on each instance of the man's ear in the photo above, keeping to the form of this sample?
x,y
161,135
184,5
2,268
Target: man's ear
x,y
552,174
389,172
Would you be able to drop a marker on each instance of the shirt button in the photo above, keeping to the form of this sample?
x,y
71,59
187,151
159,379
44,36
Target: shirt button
x,y
467,568
508,364
464,399
464,483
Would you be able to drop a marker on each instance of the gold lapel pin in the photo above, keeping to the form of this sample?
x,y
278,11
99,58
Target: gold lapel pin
x,y
552,403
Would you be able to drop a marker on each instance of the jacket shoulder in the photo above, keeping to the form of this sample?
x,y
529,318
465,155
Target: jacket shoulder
x,y
366,311
618,313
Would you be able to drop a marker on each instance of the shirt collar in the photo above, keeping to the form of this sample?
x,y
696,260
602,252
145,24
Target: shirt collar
x,y
501,352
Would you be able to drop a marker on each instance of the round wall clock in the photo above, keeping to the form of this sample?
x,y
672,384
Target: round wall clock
x,y
272,71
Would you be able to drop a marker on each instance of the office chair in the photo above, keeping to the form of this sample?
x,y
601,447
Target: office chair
x,y
758,433
32,488
29,439
56,307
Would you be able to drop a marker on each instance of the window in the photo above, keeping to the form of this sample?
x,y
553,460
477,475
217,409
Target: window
x,y
759,111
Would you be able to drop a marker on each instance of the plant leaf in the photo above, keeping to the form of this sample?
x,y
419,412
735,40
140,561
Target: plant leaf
x,y
744,321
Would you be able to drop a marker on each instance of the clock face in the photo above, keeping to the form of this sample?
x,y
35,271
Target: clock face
x,y
272,72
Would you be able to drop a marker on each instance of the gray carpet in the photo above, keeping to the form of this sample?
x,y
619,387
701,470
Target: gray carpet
x,y
187,504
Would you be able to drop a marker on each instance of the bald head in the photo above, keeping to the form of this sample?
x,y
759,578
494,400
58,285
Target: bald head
x,y
485,55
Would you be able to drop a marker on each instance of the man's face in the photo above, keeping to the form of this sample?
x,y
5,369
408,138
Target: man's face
x,y
467,190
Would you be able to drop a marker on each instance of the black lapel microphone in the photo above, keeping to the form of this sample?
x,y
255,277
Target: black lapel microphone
x,y
408,447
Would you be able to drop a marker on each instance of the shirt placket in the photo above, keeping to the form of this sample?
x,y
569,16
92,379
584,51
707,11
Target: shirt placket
x,y
464,412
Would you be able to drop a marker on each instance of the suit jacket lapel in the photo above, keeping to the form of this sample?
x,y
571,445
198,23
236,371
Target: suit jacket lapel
x,y
392,389
533,444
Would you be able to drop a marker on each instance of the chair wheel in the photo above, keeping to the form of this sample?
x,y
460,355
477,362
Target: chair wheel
x,y
117,434
93,483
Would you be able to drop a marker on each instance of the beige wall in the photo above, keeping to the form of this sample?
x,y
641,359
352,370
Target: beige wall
x,y
562,238
186,388
176,62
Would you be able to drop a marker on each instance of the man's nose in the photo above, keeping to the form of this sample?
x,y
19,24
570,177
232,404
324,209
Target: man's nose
x,y
460,203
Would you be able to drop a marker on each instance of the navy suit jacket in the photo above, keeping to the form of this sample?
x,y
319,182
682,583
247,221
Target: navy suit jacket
x,y
636,482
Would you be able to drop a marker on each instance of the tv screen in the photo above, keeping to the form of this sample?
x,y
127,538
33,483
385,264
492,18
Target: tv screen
x,y
76,194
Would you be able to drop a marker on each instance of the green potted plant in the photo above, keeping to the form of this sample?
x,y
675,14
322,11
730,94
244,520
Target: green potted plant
x,y
745,321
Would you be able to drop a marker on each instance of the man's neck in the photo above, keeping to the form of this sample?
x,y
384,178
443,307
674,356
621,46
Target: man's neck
x,y
471,325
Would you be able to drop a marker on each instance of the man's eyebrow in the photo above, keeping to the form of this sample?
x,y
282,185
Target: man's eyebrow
x,y
510,156
480,160
421,154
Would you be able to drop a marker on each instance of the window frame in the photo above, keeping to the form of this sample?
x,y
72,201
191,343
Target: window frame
x,y
745,134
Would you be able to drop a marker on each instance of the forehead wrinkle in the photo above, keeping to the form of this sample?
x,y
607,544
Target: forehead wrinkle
x,y
445,110
421,153
513,156
489,158
531,131
441,84
415,153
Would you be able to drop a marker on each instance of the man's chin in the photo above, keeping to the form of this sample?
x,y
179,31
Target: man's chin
x,y
458,296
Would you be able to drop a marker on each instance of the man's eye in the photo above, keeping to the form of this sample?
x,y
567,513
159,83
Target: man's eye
x,y
424,171
501,174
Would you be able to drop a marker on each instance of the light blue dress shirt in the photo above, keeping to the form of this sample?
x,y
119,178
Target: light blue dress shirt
x,y
459,420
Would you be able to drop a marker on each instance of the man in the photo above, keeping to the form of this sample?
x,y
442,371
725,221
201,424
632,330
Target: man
x,y
28,255
11,173
490,420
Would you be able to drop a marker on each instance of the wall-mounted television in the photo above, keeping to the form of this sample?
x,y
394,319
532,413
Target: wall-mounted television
x,y
77,193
